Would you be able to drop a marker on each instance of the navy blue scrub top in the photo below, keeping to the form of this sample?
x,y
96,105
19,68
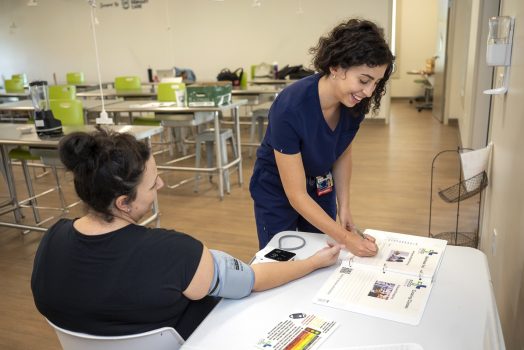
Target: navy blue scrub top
x,y
296,124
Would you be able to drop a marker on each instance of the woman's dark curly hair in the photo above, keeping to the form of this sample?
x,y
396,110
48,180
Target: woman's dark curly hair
x,y
105,165
355,43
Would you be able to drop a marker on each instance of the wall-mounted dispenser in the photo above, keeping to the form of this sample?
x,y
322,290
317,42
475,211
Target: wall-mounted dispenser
x,y
498,53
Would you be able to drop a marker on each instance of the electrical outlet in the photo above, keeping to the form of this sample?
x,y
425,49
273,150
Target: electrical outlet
x,y
494,239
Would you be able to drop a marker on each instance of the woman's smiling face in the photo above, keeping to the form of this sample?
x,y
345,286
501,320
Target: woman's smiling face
x,y
355,83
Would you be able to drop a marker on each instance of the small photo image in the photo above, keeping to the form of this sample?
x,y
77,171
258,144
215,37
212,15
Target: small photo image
x,y
397,256
382,290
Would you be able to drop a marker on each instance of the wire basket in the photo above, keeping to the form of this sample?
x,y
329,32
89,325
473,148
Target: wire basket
x,y
465,189
465,239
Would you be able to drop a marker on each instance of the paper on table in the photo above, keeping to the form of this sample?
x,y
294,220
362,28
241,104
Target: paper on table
x,y
474,162
403,346
299,331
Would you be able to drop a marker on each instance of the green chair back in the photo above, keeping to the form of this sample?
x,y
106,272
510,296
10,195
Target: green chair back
x,y
70,112
127,83
167,91
14,86
62,92
21,77
75,78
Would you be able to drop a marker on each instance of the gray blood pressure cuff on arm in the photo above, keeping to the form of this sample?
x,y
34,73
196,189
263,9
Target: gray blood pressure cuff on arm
x,y
232,278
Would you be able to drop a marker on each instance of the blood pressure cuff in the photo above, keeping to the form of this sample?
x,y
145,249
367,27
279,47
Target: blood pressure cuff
x,y
232,278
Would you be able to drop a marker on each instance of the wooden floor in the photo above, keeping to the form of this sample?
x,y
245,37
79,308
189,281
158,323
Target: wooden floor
x,y
390,191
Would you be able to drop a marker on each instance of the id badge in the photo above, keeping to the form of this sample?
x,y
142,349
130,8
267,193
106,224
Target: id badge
x,y
324,184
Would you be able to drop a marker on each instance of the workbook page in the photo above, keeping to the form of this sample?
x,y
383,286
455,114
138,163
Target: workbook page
x,y
391,296
402,253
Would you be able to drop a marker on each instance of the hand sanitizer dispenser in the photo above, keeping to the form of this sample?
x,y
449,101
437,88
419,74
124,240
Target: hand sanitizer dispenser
x,y
498,52
500,39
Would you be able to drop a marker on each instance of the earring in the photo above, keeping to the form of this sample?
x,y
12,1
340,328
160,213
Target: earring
x,y
333,76
128,210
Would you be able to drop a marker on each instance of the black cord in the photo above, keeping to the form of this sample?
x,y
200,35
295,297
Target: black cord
x,y
303,244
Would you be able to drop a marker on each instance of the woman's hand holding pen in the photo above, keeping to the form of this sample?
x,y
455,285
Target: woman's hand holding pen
x,y
359,243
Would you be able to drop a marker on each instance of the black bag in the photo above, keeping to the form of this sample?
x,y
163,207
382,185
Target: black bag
x,y
234,77
294,72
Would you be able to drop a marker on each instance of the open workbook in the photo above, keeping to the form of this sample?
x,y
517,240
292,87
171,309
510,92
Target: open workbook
x,y
395,284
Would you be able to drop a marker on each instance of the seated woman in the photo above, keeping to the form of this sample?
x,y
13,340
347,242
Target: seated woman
x,y
104,274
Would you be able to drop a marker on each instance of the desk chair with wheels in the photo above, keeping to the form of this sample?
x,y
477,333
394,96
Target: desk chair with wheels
x,y
427,100
165,338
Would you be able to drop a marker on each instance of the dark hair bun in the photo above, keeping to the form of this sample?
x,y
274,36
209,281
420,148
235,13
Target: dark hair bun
x,y
78,149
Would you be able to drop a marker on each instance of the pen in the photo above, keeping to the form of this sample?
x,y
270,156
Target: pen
x,y
359,232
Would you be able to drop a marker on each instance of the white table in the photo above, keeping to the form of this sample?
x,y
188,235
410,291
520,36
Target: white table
x,y
200,115
10,135
27,106
143,92
460,314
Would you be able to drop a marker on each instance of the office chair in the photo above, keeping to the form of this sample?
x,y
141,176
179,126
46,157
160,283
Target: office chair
x,y
165,338
75,78
62,92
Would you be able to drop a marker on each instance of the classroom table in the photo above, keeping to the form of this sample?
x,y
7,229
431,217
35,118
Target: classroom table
x,y
165,113
275,82
18,95
12,135
460,314
144,93
27,106
254,93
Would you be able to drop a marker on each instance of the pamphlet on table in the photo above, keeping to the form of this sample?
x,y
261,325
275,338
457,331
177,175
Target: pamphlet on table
x,y
395,284
298,331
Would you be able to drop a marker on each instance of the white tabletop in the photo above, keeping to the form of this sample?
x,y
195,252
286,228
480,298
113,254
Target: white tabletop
x,y
460,314
27,105
155,106
15,134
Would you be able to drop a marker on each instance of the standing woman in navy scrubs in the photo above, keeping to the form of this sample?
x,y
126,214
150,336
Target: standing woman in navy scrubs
x,y
303,166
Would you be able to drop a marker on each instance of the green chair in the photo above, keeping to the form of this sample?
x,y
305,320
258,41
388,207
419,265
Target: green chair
x,y
14,86
21,76
23,155
177,123
70,113
75,78
62,92
128,83
167,92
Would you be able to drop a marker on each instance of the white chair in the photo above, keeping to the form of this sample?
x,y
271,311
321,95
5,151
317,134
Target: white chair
x,y
166,338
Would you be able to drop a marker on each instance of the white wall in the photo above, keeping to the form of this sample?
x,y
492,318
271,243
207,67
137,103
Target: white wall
x,y
416,42
458,43
205,35
468,72
504,201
